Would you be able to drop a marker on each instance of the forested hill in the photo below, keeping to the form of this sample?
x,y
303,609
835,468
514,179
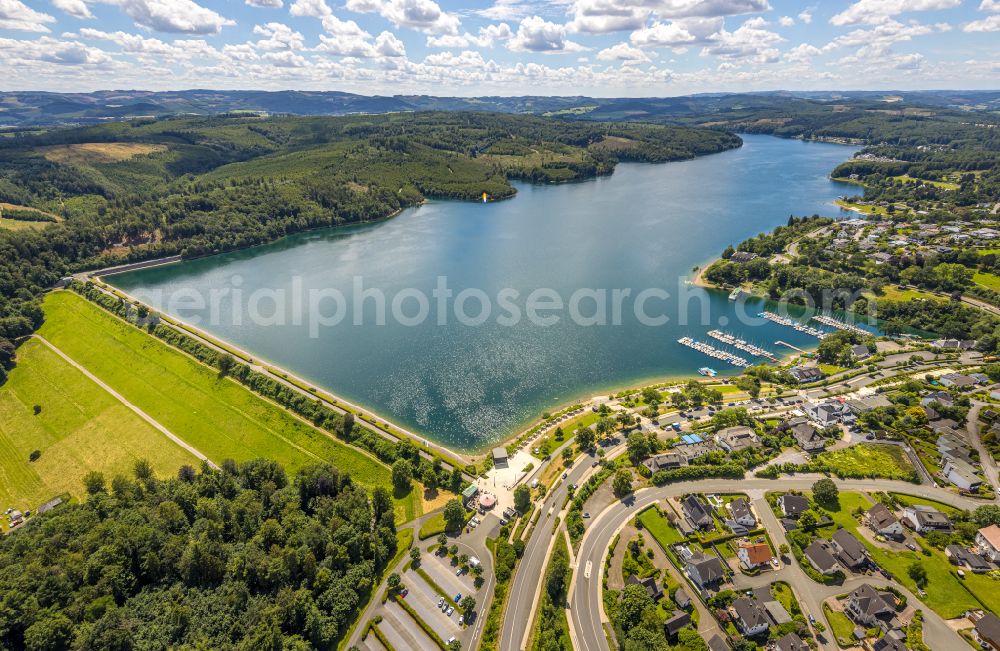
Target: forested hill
x,y
123,191
237,558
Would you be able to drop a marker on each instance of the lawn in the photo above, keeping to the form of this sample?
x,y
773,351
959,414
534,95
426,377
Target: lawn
x,y
80,427
897,293
987,280
945,593
944,185
866,461
217,416
840,626
660,528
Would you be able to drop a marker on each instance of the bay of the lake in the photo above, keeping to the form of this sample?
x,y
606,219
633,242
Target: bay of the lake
x,y
468,386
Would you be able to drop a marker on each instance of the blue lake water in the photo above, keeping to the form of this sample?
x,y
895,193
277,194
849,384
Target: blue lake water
x,y
468,386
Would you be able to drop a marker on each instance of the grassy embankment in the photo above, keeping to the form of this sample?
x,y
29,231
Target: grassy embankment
x,y
215,415
80,427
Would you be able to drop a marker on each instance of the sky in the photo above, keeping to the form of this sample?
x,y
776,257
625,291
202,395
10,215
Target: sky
x,y
605,48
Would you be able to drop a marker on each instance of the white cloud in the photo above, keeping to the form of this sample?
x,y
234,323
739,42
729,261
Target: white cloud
x,y
806,16
749,41
310,8
880,37
278,36
505,10
285,59
706,8
990,5
15,15
802,52
873,12
266,4
786,21
988,24
421,15
174,16
75,8
488,37
467,59
908,62
603,16
623,52
388,45
678,34
535,34
50,50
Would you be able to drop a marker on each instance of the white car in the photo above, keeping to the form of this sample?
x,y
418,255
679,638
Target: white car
x,y
450,611
441,602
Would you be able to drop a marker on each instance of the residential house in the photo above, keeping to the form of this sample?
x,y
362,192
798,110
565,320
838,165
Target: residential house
x,y
666,461
697,512
743,256
961,474
883,521
791,642
941,397
649,584
988,542
860,352
863,405
831,412
987,631
676,623
808,437
821,559
888,642
753,555
717,643
705,570
868,607
805,374
967,559
682,598
776,612
736,438
950,445
922,519
740,511
848,550
792,506
749,617
958,380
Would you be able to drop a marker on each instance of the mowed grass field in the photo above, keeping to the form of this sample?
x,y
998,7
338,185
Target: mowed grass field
x,y
216,415
80,427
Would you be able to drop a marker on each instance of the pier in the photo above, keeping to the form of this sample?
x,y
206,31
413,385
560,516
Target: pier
x,y
840,325
785,321
712,351
741,344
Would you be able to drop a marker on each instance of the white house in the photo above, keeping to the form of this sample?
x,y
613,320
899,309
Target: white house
x,y
988,542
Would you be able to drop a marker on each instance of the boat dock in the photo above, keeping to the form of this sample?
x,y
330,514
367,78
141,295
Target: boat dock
x,y
785,321
788,345
840,325
741,344
712,351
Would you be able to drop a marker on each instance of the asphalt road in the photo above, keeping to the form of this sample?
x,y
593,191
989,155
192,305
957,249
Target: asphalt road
x,y
586,608
527,578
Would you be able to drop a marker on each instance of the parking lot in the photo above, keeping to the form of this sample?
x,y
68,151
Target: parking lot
x,y
424,600
401,631
441,570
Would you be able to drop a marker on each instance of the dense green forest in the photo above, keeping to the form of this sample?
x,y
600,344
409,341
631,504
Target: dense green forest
x,y
193,186
237,558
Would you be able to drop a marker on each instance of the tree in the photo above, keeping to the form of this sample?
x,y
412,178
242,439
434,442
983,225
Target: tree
x,y
808,519
347,425
622,483
454,645
585,438
143,470
783,549
468,604
454,515
415,556
50,632
522,498
402,475
918,573
986,515
442,539
94,483
430,478
634,602
394,582
826,494
637,446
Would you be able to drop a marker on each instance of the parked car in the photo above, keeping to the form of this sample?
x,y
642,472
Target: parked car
x,y
450,611
586,514
440,602
458,597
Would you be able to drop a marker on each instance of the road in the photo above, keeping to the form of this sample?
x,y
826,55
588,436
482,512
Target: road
x,y
120,398
526,584
986,459
586,607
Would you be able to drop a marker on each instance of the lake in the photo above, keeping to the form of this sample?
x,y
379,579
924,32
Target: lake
x,y
466,378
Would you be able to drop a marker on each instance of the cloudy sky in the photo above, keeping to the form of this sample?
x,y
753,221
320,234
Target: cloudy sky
x,y
504,47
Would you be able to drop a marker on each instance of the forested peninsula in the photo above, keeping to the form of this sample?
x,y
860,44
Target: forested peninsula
x,y
145,188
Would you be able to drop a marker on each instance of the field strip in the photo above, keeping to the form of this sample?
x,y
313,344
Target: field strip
x,y
120,398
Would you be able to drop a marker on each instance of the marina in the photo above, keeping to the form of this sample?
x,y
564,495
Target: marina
x,y
840,325
742,344
712,351
799,327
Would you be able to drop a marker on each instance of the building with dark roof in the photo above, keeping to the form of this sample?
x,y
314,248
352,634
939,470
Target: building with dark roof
x,y
883,521
649,584
987,631
665,461
792,506
791,642
697,512
676,623
749,617
740,511
849,551
868,607
820,559
705,570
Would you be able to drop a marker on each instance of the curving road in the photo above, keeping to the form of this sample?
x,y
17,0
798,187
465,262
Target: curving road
x,y
586,607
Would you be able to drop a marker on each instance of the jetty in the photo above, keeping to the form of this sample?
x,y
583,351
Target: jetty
x,y
741,344
840,325
785,321
712,351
